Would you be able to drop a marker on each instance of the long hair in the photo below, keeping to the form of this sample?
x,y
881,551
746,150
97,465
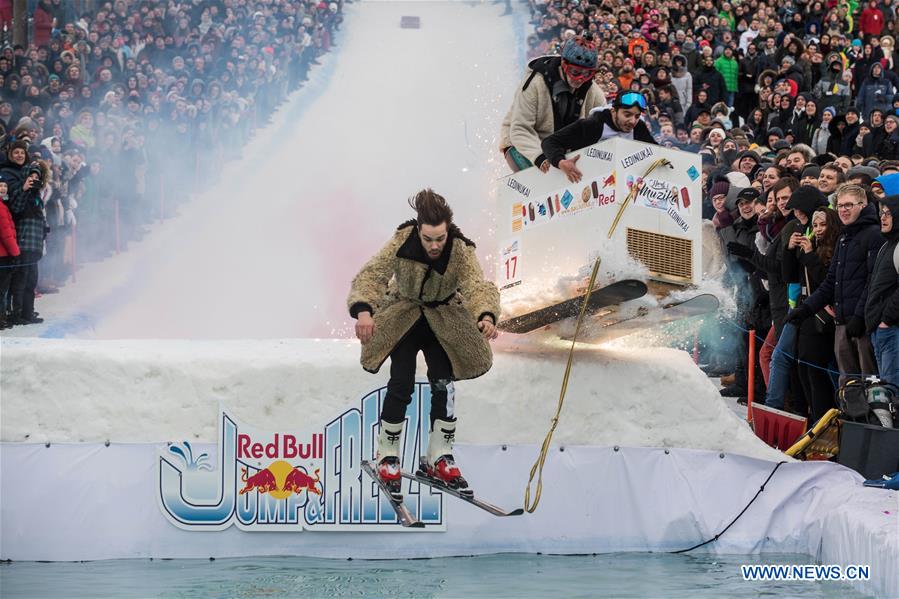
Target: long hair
x,y
827,245
431,208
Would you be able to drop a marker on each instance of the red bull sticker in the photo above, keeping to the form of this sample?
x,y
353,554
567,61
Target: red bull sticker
x,y
285,480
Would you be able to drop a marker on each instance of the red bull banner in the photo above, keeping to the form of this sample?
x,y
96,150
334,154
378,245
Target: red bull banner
x,y
290,480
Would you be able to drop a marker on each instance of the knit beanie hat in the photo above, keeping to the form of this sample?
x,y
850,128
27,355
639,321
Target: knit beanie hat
x,y
719,188
810,170
806,198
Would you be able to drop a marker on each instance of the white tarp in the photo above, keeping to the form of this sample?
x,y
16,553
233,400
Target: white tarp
x,y
89,501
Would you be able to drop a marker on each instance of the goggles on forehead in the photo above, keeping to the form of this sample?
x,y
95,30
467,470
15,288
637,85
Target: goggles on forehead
x,y
631,100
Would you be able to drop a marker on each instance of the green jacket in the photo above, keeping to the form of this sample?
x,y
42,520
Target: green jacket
x,y
729,69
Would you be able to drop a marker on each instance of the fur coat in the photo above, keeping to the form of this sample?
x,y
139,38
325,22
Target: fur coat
x,y
400,285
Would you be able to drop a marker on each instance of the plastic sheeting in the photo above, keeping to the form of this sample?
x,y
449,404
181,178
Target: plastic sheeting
x,y
89,501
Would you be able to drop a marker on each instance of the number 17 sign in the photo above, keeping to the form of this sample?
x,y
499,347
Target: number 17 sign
x,y
510,265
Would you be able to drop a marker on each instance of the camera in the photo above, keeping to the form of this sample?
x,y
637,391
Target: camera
x,y
34,169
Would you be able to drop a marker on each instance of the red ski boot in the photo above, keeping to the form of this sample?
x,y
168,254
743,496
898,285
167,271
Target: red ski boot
x,y
389,455
439,463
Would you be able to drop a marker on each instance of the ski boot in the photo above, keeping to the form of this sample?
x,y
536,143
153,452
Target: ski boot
x,y
439,463
389,455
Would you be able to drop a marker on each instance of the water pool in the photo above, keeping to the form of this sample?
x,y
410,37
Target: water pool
x,y
507,575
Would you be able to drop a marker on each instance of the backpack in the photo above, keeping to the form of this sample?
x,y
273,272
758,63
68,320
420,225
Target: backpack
x,y
870,401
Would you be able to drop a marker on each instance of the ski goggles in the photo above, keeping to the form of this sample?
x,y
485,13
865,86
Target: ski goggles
x,y
576,73
631,100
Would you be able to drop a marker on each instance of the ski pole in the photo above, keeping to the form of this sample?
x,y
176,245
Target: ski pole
x,y
537,468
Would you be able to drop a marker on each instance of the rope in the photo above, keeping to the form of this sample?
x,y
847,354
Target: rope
x,y
537,468
717,536
17,265
792,357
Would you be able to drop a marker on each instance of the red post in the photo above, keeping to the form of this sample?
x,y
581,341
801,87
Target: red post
x,y
751,375
74,252
696,348
118,233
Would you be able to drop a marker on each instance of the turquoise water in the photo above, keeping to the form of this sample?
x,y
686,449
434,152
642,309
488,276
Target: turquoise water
x,y
611,575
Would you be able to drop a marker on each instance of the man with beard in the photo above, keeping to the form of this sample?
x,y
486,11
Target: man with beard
x,y
623,119
710,79
799,156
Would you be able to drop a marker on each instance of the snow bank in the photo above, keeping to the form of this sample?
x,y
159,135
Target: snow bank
x,y
150,391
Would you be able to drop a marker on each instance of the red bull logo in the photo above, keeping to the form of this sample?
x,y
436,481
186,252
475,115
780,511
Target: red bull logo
x,y
294,480
280,479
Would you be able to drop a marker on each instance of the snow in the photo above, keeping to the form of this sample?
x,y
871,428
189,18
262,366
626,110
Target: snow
x,y
152,391
269,250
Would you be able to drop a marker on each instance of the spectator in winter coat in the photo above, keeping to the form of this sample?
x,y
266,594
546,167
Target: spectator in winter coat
x,y
682,81
670,105
821,134
831,90
889,145
709,79
803,202
558,91
808,265
739,271
882,307
846,285
875,92
807,120
699,106
871,21
43,23
770,226
27,209
872,140
9,249
727,65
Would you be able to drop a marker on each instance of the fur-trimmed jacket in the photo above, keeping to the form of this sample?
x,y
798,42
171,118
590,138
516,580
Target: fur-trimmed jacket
x,y
400,284
538,110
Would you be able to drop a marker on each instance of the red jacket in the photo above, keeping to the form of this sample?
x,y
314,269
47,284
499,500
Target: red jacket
x,y
8,244
43,26
871,21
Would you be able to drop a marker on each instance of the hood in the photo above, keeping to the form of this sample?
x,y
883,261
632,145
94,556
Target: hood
x,y
543,63
867,218
768,72
892,203
890,184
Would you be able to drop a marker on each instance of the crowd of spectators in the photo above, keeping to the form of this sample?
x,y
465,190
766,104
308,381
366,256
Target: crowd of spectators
x,y
793,107
124,111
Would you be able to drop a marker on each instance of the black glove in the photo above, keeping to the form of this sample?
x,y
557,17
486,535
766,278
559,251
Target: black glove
x,y
855,328
738,249
798,314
